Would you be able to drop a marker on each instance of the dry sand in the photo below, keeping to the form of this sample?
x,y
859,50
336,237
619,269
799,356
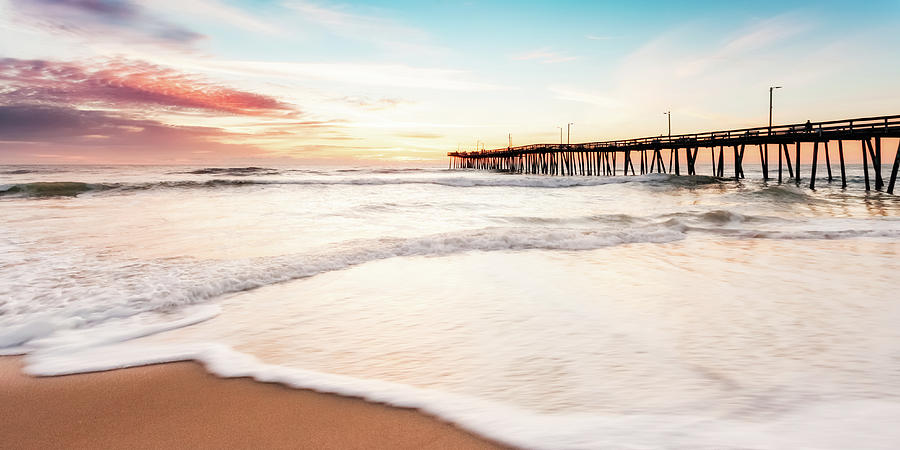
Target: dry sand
x,y
179,405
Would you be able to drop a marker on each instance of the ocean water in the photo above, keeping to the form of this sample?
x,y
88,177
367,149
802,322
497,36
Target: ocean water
x,y
542,312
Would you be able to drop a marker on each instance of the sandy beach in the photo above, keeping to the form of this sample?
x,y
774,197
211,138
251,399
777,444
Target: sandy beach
x,y
179,405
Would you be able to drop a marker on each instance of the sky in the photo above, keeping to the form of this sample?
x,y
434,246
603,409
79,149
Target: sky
x,y
404,82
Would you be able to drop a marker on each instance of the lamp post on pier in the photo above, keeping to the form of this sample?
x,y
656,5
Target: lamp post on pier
x,y
560,136
766,158
569,133
669,113
771,90
671,151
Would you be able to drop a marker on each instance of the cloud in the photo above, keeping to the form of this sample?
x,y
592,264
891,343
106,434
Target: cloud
x,y
582,96
600,38
544,56
708,80
220,12
36,123
761,35
371,29
393,75
421,135
68,134
102,17
127,84
372,104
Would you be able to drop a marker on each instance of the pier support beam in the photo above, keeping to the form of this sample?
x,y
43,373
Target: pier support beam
x,y
677,165
815,160
780,157
876,164
763,161
693,153
737,164
843,172
787,159
865,164
721,161
894,170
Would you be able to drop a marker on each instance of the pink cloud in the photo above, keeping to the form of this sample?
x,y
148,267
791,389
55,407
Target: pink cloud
x,y
127,84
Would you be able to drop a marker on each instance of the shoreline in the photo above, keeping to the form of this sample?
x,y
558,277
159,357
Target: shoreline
x,y
181,405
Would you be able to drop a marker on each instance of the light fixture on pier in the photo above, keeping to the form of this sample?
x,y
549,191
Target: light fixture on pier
x,y
669,113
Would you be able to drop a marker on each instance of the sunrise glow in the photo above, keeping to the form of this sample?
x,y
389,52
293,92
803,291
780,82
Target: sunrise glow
x,y
295,81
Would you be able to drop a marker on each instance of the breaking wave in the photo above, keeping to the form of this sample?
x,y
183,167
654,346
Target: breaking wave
x,y
127,288
53,189
784,193
117,292
73,188
234,171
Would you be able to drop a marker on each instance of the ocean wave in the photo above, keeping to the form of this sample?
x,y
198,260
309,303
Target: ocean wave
x,y
98,290
128,288
73,188
784,193
45,189
722,217
383,170
233,171
688,219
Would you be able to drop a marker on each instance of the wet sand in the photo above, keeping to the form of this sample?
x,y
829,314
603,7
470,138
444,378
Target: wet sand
x,y
180,405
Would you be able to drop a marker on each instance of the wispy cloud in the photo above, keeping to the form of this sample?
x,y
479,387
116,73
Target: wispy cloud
x,y
372,104
371,28
220,12
692,71
102,17
583,96
361,74
544,56
422,135
595,37
760,36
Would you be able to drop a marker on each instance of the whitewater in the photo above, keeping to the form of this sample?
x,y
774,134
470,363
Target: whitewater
x,y
542,312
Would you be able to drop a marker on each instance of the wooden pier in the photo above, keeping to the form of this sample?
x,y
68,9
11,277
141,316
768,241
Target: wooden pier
x,y
600,158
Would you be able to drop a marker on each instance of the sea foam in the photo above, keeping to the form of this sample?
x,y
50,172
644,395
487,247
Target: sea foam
x,y
119,293
823,425
126,288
